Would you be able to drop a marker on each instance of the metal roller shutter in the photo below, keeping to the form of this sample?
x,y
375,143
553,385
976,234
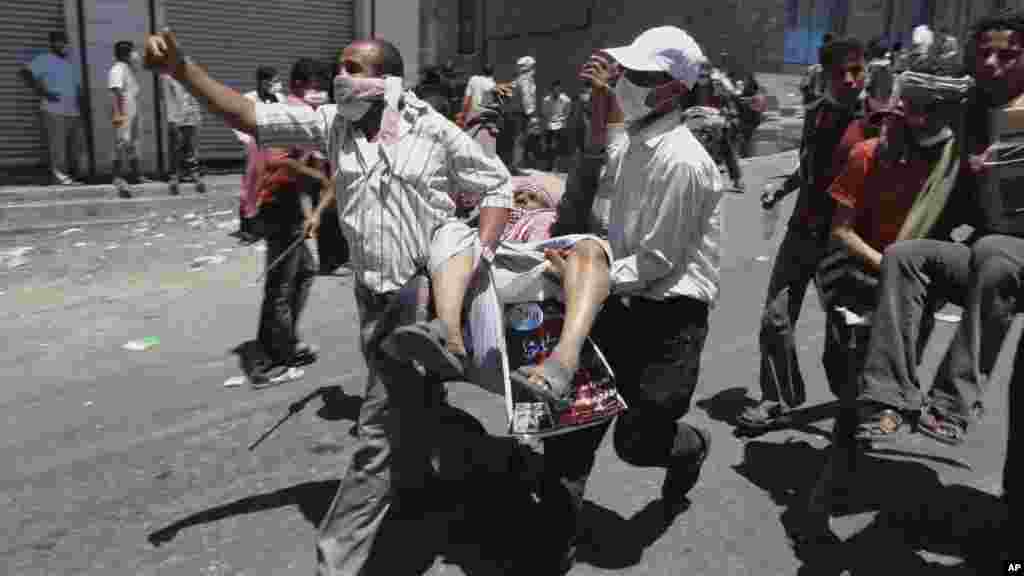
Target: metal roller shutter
x,y
230,38
24,32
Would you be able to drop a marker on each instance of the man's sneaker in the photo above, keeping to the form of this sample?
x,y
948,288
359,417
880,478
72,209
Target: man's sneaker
x,y
682,476
172,187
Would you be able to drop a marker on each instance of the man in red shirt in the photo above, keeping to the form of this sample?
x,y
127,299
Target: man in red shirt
x,y
833,124
893,188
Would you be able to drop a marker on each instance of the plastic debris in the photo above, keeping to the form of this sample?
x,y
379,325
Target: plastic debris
x,y
142,345
234,381
204,260
70,231
951,318
80,244
222,213
16,257
761,259
227,225
189,216
87,403
148,244
112,246
160,235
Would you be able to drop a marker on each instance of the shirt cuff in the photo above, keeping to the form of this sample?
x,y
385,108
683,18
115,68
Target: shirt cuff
x,y
500,198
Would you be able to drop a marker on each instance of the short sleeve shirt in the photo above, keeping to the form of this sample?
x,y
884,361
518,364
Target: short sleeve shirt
x,y
123,78
881,193
62,78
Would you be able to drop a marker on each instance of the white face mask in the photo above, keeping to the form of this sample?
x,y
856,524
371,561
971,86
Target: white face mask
x,y
315,97
632,99
351,110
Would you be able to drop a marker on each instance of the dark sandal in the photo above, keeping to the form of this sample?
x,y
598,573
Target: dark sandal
x,y
765,414
879,424
557,388
941,427
426,343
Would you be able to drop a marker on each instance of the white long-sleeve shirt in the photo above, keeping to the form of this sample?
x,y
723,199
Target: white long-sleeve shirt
x,y
391,199
665,225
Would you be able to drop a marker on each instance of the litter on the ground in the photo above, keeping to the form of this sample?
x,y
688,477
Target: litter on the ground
x,y
112,246
80,244
204,260
142,345
260,247
15,258
234,381
70,231
227,225
148,244
189,216
289,375
160,235
222,213
87,403
762,259
951,318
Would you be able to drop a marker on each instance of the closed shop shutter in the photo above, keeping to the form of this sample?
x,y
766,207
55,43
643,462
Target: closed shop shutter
x,y
24,33
230,38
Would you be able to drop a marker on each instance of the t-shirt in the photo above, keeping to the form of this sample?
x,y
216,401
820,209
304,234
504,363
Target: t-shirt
x,y
476,89
123,77
181,106
881,193
61,77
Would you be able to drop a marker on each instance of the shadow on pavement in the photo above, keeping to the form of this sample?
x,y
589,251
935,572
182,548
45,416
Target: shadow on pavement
x,y
481,511
913,510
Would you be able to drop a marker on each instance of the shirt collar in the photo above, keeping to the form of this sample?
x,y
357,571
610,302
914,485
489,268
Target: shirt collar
x,y
651,134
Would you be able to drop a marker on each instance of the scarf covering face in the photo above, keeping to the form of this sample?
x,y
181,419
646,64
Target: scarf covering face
x,y
532,225
349,90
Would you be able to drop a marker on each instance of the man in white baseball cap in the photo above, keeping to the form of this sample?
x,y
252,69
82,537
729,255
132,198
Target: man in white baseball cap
x,y
665,232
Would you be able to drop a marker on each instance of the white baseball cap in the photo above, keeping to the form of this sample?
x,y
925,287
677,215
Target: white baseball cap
x,y
663,49
525,63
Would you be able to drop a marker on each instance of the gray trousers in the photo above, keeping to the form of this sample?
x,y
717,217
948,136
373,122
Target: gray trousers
x,y
985,279
390,466
795,263
64,142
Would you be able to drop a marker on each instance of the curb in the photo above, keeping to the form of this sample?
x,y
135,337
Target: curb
x,y
28,209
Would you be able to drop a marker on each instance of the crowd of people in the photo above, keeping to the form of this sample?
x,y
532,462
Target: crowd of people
x,y
887,170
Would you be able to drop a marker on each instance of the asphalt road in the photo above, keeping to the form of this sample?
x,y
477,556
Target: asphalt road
x,y
135,462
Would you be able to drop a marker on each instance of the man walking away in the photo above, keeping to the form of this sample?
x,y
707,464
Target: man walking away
x,y
184,117
59,85
124,88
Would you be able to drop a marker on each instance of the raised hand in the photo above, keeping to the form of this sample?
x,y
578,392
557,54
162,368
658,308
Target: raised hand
x,y
162,51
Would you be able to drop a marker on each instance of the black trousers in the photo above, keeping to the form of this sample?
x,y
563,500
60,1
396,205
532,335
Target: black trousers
x,y
184,146
654,349
285,292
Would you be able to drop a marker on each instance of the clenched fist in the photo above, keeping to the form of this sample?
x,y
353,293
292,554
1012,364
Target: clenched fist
x,y
162,53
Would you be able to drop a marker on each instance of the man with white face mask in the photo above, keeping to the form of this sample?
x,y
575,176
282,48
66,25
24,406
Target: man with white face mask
x,y
397,164
665,231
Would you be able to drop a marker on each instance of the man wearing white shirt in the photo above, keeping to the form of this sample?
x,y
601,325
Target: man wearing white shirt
x,y
557,105
58,83
665,230
477,89
126,119
395,170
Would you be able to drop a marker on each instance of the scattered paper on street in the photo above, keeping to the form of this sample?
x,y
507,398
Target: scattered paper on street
x,y
762,259
234,381
198,263
70,231
142,345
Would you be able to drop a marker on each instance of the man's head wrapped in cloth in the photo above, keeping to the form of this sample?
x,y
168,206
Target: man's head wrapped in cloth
x,y
536,198
925,113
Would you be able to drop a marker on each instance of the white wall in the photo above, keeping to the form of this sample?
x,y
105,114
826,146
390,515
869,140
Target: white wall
x,y
107,22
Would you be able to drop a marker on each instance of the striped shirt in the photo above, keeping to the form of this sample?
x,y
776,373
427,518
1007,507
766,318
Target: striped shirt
x,y
391,199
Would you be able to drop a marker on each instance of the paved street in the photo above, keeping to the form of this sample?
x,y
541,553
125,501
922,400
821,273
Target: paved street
x,y
135,462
